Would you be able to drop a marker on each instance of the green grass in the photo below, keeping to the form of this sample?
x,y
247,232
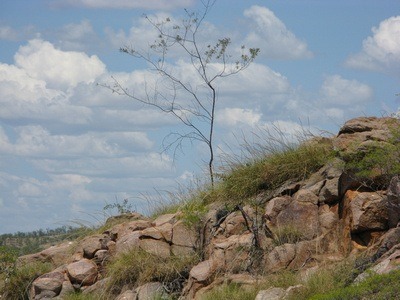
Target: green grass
x,y
17,286
291,163
288,235
230,291
375,287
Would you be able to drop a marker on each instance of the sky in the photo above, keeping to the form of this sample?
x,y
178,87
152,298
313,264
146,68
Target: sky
x,y
69,146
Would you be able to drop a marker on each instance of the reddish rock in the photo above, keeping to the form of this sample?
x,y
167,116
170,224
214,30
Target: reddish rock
x,y
156,247
83,272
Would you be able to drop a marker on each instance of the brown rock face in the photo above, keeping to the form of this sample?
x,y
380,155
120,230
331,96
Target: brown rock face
x,y
83,272
47,285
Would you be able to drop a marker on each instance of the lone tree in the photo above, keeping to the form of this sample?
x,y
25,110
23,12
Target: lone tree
x,y
191,101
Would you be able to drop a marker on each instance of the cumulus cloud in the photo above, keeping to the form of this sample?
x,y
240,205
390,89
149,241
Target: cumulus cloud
x,y
336,90
270,34
127,4
381,51
59,69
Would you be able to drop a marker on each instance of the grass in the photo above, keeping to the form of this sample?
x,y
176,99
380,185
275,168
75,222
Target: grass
x,y
230,291
136,267
386,286
293,162
17,285
288,235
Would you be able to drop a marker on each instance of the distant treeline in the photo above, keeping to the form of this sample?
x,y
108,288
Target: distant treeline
x,y
30,242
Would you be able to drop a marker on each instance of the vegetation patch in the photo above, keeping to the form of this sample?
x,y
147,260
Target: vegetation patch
x,y
136,267
17,285
288,235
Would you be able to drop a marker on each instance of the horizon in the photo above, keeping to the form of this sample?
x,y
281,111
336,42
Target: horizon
x,y
69,147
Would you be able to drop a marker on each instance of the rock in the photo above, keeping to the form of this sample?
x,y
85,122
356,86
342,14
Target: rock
x,y
128,241
367,211
127,295
156,247
83,272
275,206
182,235
203,271
98,286
271,294
101,257
305,196
167,218
393,199
153,233
56,255
300,215
67,288
119,231
47,285
280,257
329,193
150,291
91,244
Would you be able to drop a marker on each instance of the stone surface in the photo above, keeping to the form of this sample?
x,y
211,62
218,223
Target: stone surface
x,y
301,215
393,202
127,295
271,294
203,270
128,241
280,257
182,235
83,272
366,210
150,291
47,284
156,247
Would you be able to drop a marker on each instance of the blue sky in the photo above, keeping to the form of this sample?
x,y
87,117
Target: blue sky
x,y
69,146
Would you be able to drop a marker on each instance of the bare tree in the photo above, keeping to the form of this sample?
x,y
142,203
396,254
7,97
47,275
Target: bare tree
x,y
192,103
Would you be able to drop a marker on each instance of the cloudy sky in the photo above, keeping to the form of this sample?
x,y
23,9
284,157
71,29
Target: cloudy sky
x,y
69,146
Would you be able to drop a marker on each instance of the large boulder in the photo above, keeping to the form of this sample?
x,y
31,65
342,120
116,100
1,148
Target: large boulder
x,y
83,272
48,285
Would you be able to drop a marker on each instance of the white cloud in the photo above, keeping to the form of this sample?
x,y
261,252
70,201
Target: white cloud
x,y
60,69
36,141
336,90
128,4
270,34
381,51
236,116
78,37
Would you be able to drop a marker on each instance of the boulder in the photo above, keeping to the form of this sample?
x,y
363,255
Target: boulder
x,y
273,293
156,247
83,272
48,285
300,215
150,291
280,257
367,211
182,235
127,295
203,271
393,202
128,241
91,244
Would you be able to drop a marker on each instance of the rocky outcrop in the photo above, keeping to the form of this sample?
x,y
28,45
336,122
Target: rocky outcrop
x,y
326,217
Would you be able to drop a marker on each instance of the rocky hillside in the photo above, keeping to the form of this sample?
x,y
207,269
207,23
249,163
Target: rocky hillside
x,y
253,238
